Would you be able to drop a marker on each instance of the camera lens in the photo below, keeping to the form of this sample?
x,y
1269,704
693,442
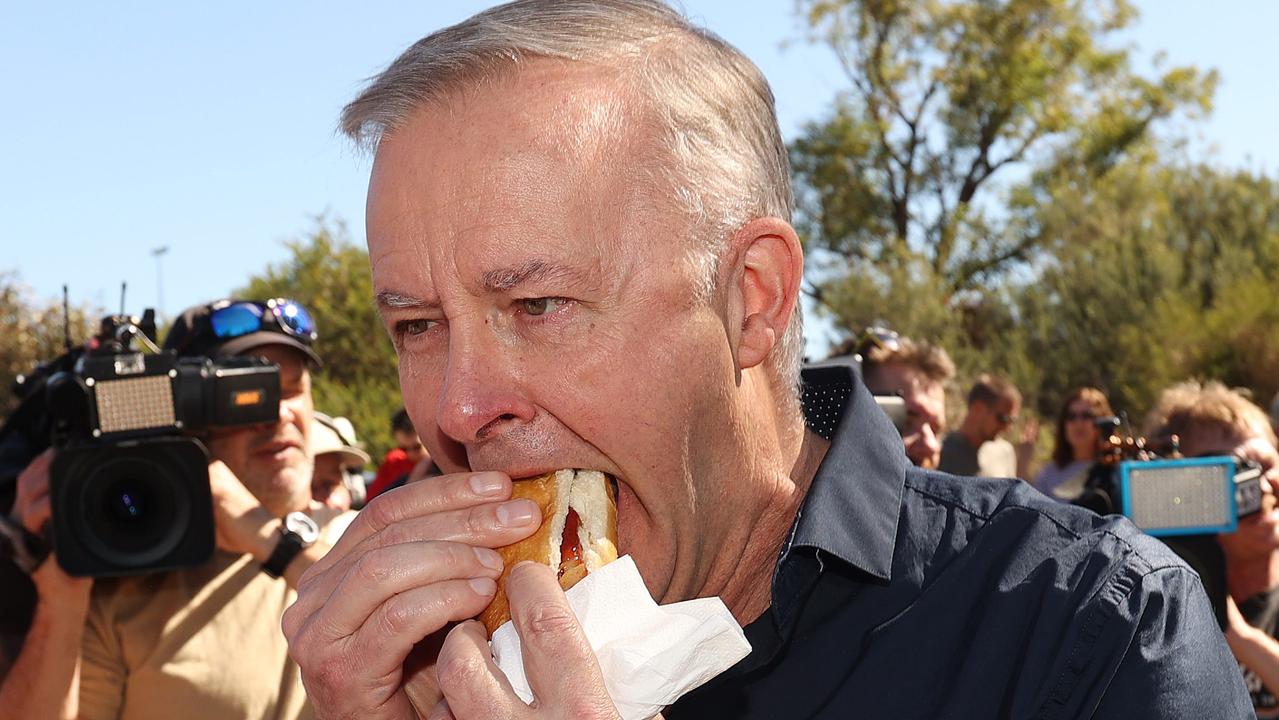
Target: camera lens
x,y
127,501
131,511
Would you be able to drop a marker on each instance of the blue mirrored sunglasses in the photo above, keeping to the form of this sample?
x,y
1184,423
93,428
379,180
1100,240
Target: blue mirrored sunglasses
x,y
280,315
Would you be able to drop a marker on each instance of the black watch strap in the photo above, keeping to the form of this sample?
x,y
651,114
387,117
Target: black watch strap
x,y
286,549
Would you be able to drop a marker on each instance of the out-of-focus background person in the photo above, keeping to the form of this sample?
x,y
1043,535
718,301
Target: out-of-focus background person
x,y
993,404
1076,444
917,372
400,460
338,480
1211,420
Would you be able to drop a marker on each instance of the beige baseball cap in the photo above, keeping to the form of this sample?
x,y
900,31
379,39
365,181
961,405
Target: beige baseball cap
x,y
337,435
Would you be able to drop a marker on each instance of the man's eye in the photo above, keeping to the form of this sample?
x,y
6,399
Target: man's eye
x,y
412,327
540,306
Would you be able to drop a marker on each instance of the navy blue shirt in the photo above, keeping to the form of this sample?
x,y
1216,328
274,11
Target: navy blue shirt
x,y
905,593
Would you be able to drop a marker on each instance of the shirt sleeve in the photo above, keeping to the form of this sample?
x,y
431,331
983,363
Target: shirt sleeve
x,y
102,668
1152,650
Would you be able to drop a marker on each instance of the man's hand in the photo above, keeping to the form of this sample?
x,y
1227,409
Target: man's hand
x,y
242,525
31,505
561,668
414,560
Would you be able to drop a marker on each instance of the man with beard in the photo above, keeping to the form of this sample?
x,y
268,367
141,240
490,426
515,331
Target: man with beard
x,y
201,642
578,226
1213,420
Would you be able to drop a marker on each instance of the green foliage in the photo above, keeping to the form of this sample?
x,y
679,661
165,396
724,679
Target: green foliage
x,y
330,276
947,94
1105,258
33,332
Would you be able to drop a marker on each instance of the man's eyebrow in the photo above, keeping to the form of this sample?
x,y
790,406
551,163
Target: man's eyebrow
x,y
505,279
391,299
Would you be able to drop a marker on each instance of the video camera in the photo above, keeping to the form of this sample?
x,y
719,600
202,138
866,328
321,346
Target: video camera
x,y
129,486
1185,502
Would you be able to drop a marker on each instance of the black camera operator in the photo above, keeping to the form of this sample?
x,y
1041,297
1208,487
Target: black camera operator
x,y
1212,420
203,641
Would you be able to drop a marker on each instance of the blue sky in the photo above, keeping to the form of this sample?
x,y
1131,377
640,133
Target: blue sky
x,y
209,127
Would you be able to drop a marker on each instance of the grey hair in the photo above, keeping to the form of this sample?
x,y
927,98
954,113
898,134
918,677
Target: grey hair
x,y
713,109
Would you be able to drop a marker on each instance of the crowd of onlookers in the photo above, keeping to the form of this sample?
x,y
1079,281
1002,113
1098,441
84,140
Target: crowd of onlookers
x,y
1190,419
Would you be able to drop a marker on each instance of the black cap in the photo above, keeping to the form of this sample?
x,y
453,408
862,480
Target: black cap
x,y
192,335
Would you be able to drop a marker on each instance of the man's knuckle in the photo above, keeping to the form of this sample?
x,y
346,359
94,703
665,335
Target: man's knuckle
x,y
459,672
372,568
549,619
380,513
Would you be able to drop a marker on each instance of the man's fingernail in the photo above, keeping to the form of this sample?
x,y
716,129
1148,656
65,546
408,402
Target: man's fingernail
x,y
483,586
488,558
516,513
486,484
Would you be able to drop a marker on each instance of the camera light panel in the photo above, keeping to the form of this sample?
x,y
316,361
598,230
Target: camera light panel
x,y
134,403
1180,497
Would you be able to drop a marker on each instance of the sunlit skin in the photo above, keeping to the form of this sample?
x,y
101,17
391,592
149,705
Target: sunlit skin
x,y
1081,430
925,409
272,461
982,422
327,482
543,319
410,444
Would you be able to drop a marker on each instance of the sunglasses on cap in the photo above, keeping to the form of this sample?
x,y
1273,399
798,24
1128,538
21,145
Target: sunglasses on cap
x,y
280,315
878,336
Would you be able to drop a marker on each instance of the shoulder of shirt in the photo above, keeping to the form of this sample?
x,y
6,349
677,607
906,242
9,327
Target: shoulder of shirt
x,y
1012,511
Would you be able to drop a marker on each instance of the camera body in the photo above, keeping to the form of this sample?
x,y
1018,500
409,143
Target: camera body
x,y
129,485
1185,502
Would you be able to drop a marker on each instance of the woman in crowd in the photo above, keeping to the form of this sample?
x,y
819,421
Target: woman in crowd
x,y
1077,444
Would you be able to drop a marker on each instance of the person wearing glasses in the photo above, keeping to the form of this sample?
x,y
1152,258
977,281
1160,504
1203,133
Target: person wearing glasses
x,y
199,642
1077,444
993,404
580,243
1213,420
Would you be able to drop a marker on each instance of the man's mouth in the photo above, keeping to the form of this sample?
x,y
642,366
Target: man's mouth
x,y
276,449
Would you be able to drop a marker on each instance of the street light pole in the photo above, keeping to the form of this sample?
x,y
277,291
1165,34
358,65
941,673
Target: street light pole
x,y
158,253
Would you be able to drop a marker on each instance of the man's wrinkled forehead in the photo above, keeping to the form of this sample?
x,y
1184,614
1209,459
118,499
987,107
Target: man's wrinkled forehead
x,y
548,155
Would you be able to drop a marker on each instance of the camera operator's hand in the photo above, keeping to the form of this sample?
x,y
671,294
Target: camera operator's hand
x,y
242,525
415,560
31,506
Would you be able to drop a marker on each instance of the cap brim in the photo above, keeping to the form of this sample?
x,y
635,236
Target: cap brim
x,y
243,344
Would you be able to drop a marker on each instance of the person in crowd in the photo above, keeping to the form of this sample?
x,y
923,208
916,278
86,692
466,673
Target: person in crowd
x,y
579,235
400,460
993,404
917,372
1213,420
1077,444
338,480
200,642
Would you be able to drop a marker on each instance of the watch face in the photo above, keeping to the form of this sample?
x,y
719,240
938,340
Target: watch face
x,y
303,525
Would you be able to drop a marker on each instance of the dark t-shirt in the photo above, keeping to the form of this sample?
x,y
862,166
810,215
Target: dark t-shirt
x,y
1262,611
958,456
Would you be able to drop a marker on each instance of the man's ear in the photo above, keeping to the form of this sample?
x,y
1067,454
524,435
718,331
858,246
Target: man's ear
x,y
764,285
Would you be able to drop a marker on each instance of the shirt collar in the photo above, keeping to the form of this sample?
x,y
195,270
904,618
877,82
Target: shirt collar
x,y
854,503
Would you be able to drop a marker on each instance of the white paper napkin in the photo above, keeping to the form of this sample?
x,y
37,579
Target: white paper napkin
x,y
650,655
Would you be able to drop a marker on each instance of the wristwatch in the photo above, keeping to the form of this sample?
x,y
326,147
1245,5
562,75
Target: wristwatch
x,y
297,532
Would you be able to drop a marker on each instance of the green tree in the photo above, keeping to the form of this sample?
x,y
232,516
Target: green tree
x,y
34,331
329,275
946,97
1156,273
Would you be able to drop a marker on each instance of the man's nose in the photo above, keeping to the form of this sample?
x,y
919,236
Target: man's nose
x,y
481,394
